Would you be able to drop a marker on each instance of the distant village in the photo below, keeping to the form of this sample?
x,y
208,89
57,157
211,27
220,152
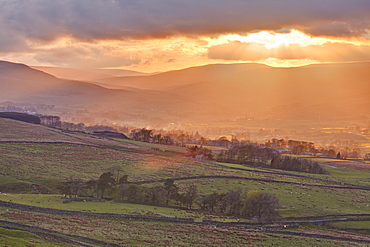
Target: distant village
x,y
334,143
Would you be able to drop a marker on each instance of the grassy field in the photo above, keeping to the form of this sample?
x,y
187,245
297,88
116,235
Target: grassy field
x,y
56,202
20,238
295,199
155,146
353,224
34,156
141,233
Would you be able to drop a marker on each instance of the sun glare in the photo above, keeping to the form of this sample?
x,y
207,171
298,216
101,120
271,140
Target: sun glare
x,y
271,39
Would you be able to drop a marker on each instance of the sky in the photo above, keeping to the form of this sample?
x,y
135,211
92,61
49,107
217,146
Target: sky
x,y
161,35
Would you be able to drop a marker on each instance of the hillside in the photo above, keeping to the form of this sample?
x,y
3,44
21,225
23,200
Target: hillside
x,y
36,162
330,91
86,75
203,94
22,84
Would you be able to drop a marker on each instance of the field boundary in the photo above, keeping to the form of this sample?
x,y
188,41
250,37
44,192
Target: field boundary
x,y
248,178
271,171
67,238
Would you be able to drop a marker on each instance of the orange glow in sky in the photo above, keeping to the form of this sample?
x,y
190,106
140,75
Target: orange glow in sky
x,y
152,55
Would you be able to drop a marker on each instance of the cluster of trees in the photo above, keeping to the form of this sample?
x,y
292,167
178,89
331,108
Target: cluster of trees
x,y
24,117
160,195
343,153
296,164
299,147
296,147
146,135
194,151
105,185
247,154
256,155
259,206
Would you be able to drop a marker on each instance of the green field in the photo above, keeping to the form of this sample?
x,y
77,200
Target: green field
x,y
37,161
20,238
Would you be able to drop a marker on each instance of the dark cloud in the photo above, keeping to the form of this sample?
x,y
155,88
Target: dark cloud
x,y
328,52
45,20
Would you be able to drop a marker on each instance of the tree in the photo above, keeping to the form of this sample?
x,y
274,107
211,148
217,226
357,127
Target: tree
x,y
123,179
171,189
93,185
115,170
130,192
106,181
143,135
231,202
196,150
73,187
261,206
338,155
155,195
331,153
158,138
203,140
209,202
190,196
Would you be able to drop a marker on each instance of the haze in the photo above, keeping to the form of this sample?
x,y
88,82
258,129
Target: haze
x,y
200,65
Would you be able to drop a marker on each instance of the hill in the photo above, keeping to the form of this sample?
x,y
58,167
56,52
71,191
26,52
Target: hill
x,y
37,161
22,84
86,75
203,94
328,91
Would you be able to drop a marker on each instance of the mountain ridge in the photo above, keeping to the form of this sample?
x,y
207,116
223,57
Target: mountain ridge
x,y
206,93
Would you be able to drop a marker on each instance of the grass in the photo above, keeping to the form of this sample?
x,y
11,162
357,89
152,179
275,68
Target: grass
x,y
335,173
56,202
50,164
139,233
155,146
7,179
21,238
360,177
295,200
352,224
239,166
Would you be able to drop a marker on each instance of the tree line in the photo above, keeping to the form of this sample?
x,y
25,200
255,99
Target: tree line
x,y
256,155
246,154
256,205
24,117
296,164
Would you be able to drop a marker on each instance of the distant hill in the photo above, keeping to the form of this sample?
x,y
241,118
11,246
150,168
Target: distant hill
x,y
331,91
204,94
87,75
22,84
177,78
322,91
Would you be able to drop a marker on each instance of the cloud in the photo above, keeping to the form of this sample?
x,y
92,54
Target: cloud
x,y
88,20
86,57
328,52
